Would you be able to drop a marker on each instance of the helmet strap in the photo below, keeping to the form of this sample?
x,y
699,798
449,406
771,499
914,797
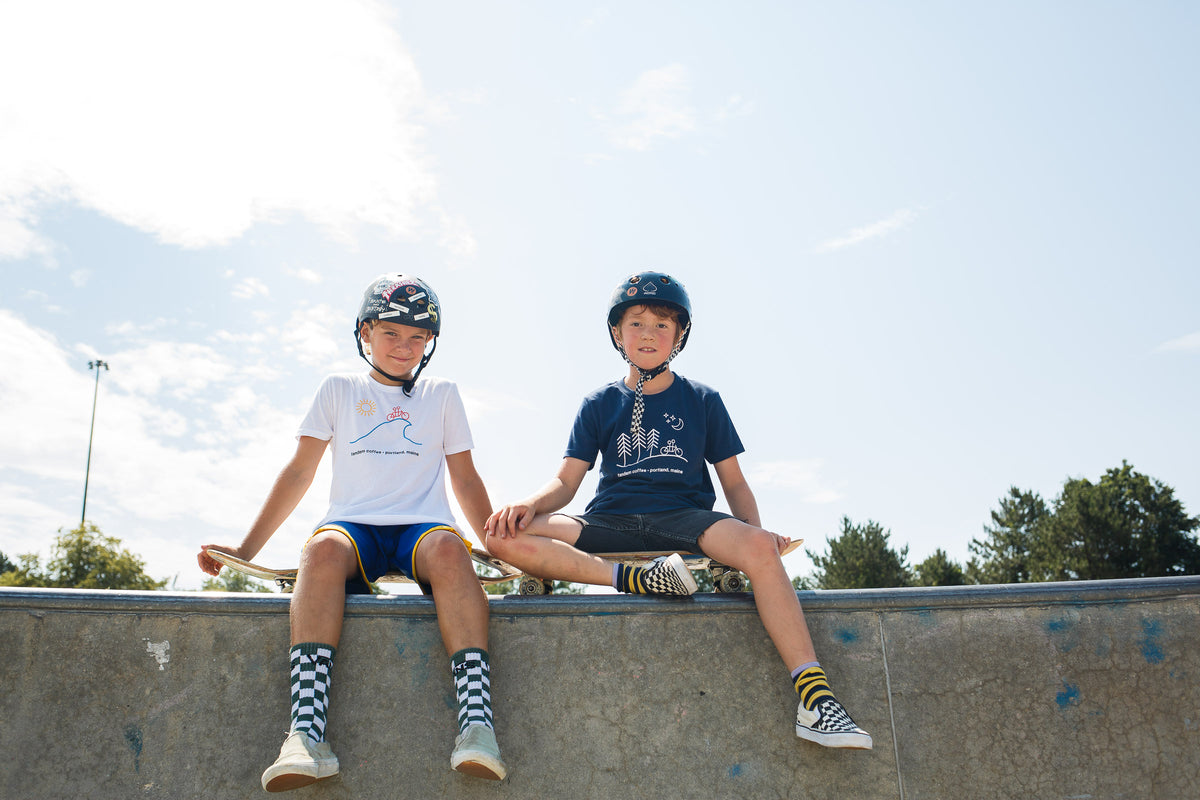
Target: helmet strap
x,y
406,383
639,398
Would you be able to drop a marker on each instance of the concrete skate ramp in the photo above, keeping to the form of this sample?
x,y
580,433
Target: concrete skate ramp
x,y
1083,690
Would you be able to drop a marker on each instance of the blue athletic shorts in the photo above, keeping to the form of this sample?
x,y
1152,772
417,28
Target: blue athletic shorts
x,y
382,548
633,533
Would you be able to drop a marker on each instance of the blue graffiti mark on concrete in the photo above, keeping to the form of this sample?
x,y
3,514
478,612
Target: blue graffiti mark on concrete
x,y
847,636
1069,696
735,771
1065,633
133,735
1151,630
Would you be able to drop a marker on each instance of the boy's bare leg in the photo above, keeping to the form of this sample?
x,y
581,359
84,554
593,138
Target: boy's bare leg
x,y
319,602
546,549
754,552
443,562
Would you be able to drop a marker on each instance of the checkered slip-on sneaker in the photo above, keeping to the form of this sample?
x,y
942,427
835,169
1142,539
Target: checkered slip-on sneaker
x,y
669,575
829,725
476,753
301,762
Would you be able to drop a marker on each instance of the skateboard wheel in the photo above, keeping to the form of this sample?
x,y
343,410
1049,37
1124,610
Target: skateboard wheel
x,y
728,582
533,586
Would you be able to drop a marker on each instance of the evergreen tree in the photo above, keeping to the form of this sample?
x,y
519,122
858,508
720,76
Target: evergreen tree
x,y
939,570
1126,526
1005,555
860,558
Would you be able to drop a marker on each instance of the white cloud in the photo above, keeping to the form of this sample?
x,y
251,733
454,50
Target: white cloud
x,y
801,478
303,273
897,221
249,287
193,122
163,494
315,336
1186,344
654,107
736,106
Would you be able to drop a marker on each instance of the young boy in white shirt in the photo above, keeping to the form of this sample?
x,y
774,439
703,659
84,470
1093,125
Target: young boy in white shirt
x,y
395,436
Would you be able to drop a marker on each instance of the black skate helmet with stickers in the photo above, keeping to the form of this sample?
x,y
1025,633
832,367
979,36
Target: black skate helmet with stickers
x,y
651,287
405,300
642,289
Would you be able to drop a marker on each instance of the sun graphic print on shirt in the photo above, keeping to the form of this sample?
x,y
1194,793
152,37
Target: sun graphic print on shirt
x,y
365,407
397,414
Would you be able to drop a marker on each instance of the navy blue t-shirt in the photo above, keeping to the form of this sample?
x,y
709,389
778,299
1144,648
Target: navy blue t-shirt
x,y
682,428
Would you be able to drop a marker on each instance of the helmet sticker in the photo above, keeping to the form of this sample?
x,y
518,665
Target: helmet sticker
x,y
386,314
421,316
631,291
650,288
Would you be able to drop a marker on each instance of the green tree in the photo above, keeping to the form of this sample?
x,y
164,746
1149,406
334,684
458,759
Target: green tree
x,y
1126,526
83,558
5,564
1005,555
860,558
230,580
939,570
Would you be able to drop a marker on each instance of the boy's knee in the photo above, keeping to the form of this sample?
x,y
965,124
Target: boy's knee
x,y
499,546
327,547
442,553
755,546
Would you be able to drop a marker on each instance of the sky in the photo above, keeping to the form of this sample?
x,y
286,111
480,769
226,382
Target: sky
x,y
934,249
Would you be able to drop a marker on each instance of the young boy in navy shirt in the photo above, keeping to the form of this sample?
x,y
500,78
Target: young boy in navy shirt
x,y
394,439
654,431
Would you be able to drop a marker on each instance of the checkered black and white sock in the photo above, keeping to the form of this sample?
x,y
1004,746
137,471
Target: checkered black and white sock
x,y
473,685
312,675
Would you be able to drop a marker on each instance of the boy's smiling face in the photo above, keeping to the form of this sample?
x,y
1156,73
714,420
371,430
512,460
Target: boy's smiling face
x,y
646,337
394,348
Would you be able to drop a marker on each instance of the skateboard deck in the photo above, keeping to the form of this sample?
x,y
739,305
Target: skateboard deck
x,y
286,578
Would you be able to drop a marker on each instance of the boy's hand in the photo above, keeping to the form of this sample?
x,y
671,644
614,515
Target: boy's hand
x,y
509,520
208,563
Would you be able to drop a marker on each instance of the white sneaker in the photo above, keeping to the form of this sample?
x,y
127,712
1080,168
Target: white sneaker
x,y
830,726
301,762
476,753
669,575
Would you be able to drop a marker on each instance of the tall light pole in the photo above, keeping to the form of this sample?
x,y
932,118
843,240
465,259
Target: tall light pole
x,y
96,365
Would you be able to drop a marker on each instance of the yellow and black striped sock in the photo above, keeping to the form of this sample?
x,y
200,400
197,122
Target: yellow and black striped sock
x,y
811,684
629,579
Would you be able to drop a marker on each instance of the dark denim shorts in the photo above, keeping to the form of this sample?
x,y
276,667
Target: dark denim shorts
x,y
635,533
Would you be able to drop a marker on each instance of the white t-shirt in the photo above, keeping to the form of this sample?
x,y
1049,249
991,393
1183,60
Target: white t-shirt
x,y
389,448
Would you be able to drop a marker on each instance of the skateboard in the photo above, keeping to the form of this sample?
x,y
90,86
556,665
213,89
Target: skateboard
x,y
725,579
285,579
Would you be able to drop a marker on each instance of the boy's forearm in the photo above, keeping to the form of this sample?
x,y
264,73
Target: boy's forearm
x,y
473,499
743,505
288,490
551,497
